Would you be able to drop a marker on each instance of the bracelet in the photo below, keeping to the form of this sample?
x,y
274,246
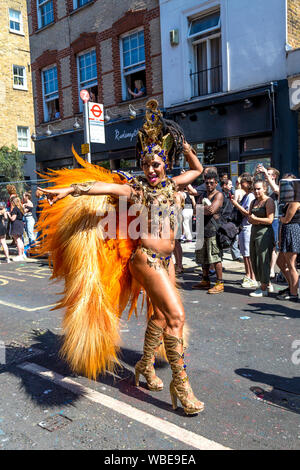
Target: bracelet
x,y
81,188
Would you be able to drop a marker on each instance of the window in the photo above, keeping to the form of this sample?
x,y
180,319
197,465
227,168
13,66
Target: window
x,y
23,138
256,144
80,3
15,21
87,75
133,63
205,37
19,77
50,94
254,150
204,25
45,12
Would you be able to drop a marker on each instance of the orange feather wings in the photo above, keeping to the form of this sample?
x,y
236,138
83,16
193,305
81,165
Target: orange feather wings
x,y
98,284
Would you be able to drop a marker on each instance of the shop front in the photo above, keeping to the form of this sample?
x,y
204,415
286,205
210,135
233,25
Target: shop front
x,y
118,152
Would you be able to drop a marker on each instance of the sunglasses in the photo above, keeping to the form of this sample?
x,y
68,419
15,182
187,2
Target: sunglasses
x,y
208,183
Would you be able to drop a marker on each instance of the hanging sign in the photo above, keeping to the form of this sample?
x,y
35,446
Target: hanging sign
x,y
96,122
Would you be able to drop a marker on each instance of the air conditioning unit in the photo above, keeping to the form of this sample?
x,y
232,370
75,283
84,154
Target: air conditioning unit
x,y
174,37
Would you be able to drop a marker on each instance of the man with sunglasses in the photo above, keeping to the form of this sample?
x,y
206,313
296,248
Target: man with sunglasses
x,y
210,253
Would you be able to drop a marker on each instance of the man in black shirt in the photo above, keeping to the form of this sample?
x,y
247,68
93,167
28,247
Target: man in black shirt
x,y
210,253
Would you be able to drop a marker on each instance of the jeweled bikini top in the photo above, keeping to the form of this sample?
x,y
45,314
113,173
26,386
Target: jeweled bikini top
x,y
163,197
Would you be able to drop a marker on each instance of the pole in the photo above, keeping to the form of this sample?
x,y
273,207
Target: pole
x,y
87,130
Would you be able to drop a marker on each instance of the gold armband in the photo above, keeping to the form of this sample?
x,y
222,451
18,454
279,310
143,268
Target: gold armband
x,y
81,188
186,152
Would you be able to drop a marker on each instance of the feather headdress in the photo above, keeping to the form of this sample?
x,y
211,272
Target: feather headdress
x,y
159,136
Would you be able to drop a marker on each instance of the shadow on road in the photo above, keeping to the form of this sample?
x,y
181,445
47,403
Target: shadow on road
x,y
275,310
44,351
282,392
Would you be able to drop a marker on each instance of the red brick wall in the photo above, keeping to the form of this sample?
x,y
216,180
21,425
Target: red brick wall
x,y
129,21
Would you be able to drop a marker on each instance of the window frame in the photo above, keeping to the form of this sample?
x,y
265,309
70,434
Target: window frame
x,y
206,31
205,36
20,87
75,4
15,31
80,54
138,69
28,139
39,15
47,117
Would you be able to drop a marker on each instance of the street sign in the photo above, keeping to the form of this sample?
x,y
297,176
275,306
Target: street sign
x,y
85,148
96,122
95,111
85,96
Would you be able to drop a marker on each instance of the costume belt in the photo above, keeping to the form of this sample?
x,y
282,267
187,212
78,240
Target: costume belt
x,y
154,259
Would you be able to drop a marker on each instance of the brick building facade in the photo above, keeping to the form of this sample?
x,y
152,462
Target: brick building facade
x,y
103,46
16,106
293,23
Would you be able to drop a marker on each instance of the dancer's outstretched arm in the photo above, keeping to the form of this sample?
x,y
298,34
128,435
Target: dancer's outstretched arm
x,y
97,189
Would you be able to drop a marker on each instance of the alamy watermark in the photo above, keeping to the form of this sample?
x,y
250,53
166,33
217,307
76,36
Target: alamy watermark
x,y
296,353
295,94
141,222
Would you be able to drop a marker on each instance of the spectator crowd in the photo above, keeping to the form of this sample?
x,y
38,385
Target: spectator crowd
x,y
17,222
246,219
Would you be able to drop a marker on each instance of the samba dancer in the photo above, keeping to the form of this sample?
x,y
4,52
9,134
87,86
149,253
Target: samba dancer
x,y
150,263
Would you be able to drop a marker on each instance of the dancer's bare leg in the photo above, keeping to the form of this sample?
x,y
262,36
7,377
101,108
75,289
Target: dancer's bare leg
x,y
162,292
158,316
169,311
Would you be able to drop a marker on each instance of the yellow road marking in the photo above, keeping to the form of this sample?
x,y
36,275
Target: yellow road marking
x,y
12,278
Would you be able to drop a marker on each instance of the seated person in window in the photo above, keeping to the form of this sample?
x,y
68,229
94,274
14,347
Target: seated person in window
x,y
92,97
139,90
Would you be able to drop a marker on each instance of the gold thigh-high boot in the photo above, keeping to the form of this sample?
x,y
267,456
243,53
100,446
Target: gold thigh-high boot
x,y
180,387
145,366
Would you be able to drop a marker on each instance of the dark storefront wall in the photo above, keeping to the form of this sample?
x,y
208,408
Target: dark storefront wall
x,y
233,123
202,126
224,133
56,151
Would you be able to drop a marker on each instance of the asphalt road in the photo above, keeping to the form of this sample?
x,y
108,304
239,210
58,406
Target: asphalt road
x,y
241,363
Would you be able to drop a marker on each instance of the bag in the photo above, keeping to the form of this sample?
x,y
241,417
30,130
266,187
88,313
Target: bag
x,y
225,234
237,216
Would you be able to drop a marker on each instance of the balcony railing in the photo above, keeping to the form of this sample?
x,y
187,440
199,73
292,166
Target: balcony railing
x,y
207,82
